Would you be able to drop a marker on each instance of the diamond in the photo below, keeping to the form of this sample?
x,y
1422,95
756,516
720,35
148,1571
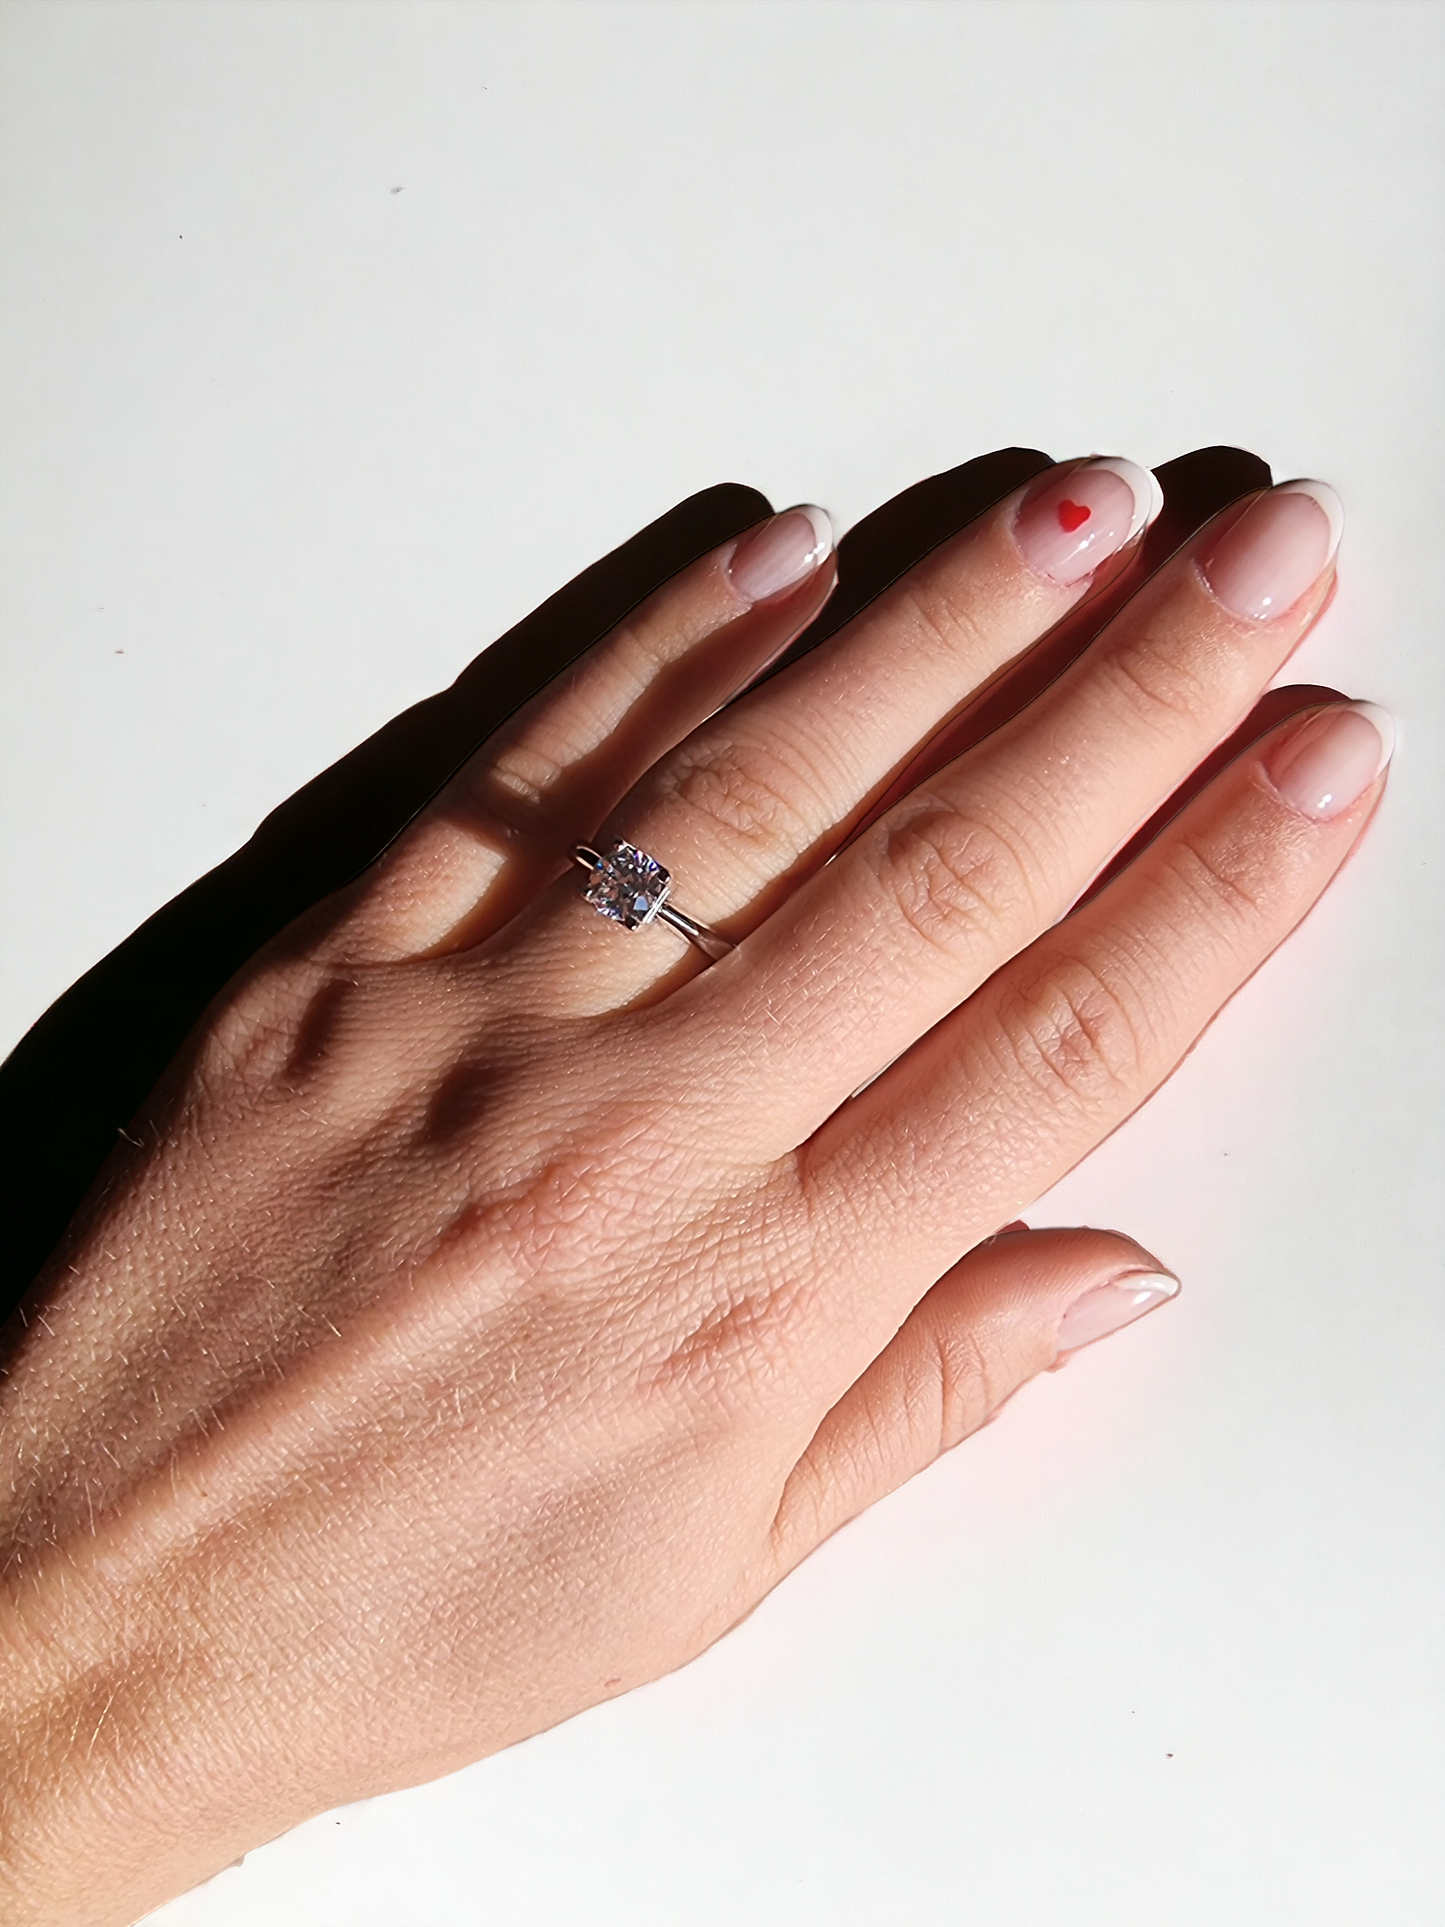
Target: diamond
x,y
627,886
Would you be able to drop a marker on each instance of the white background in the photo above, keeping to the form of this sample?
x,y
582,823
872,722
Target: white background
x,y
283,445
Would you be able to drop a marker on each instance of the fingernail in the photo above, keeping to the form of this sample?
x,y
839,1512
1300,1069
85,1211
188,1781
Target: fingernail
x,y
772,558
1281,546
1106,1308
1329,760
1068,524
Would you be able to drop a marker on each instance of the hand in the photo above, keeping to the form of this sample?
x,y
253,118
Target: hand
x,y
496,1303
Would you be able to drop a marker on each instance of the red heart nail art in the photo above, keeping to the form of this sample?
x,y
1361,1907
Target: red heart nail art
x,y
1073,515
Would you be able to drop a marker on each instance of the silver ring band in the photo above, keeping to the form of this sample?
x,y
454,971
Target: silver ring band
x,y
629,887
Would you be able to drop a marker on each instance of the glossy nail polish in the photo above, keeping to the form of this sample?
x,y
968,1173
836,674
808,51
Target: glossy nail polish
x,y
778,554
1327,762
1107,1308
1068,524
1279,548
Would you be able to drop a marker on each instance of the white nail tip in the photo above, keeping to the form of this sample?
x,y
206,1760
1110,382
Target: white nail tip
x,y
1384,725
773,557
1324,495
1109,1306
1148,1284
823,538
1142,484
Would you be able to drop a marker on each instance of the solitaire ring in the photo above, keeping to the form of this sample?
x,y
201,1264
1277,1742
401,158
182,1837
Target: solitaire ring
x,y
628,886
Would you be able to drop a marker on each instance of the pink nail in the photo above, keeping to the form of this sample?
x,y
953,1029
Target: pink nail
x,y
1280,547
773,557
1329,760
1068,524
1106,1308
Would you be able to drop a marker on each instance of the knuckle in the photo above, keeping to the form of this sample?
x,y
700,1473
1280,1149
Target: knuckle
x,y
515,780
945,617
293,1035
759,797
1159,684
1074,1035
514,783
587,1204
966,1386
1222,879
953,881
271,1025
731,1347
732,1336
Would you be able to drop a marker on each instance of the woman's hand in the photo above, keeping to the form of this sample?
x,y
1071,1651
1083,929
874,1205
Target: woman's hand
x,y
496,1302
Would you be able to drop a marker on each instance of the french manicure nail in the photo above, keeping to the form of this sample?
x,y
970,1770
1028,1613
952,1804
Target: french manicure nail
x,y
781,552
1327,762
1106,1308
1282,544
1068,524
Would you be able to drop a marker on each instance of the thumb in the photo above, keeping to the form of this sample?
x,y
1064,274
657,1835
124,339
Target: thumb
x,y
1019,1304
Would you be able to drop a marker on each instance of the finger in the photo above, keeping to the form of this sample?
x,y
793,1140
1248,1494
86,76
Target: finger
x,y
496,832
1274,707
1015,1306
772,785
1196,488
1071,1036
959,876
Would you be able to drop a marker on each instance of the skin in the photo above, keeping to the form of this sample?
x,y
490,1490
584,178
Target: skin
x,y
495,1304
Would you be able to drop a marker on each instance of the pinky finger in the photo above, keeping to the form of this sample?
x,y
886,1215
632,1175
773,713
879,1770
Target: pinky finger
x,y
1015,1306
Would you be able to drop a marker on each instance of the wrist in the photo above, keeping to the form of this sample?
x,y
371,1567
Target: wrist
x,y
109,1789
